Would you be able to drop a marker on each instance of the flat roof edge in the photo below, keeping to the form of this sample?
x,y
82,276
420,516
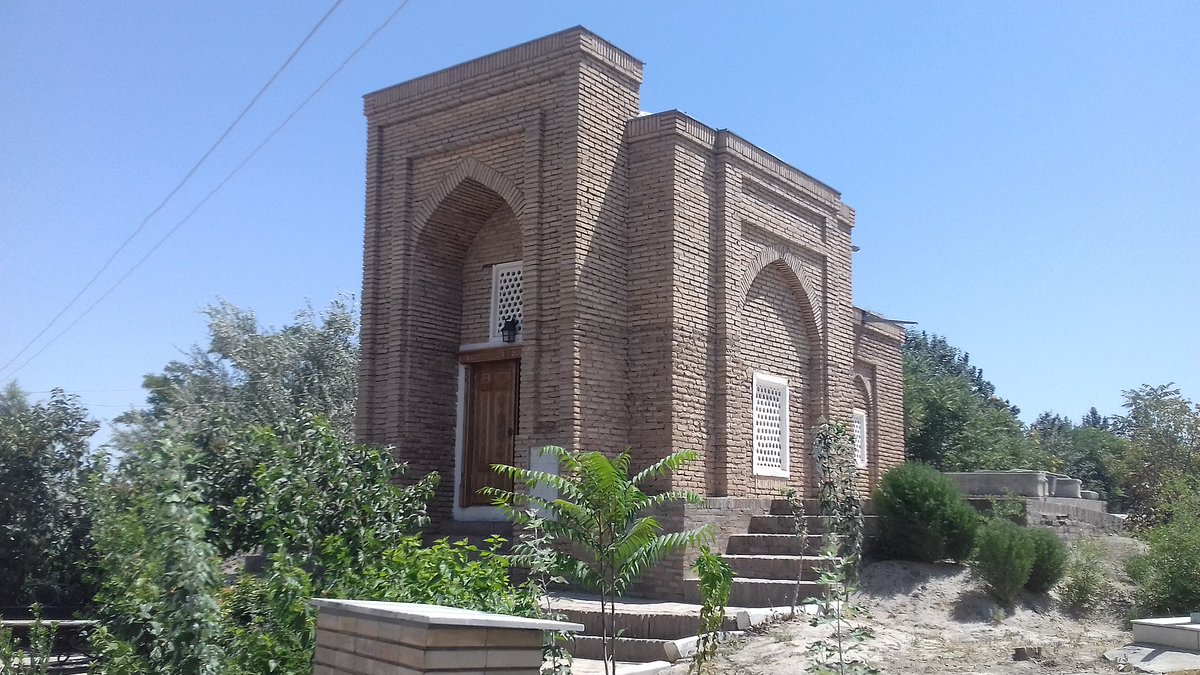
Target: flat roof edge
x,y
572,39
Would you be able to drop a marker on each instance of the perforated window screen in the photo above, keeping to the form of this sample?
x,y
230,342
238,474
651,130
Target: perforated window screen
x,y
770,425
860,437
506,295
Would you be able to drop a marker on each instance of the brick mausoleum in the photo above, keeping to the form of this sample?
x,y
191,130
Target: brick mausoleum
x,y
671,286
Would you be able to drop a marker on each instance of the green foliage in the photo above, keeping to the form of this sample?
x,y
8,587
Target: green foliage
x,y
795,502
1049,559
37,657
952,418
536,548
716,582
45,518
1086,584
1163,429
1010,507
923,516
1168,575
841,513
454,574
1003,558
603,513
835,655
841,508
247,378
159,573
267,624
1090,452
319,486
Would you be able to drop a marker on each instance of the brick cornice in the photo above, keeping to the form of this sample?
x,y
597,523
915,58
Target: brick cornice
x,y
578,39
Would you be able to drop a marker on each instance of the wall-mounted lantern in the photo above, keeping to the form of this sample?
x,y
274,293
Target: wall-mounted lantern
x,y
512,326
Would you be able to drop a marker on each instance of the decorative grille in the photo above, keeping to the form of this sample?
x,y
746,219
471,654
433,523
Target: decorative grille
x,y
770,425
506,296
860,438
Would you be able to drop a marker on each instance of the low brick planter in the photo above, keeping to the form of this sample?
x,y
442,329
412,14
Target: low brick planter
x,y
357,637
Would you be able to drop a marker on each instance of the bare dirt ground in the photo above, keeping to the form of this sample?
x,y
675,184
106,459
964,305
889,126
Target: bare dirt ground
x,y
938,619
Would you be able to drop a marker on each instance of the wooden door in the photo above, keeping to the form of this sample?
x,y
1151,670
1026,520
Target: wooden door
x,y
491,427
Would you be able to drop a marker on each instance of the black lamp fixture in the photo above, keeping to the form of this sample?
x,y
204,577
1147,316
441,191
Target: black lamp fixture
x,y
512,325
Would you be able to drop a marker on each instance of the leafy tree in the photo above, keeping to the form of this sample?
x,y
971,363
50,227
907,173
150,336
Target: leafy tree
x,y
248,375
45,520
1094,420
160,576
1163,430
247,379
603,514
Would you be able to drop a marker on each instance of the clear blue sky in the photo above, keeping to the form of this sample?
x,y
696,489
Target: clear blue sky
x,y
1026,174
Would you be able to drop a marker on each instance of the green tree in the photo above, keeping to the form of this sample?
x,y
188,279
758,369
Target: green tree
x,y
1163,430
952,418
160,576
603,514
248,378
45,520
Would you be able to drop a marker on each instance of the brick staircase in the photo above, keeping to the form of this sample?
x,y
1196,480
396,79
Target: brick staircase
x,y
766,559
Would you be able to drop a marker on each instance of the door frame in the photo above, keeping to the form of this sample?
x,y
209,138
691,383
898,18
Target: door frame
x,y
465,358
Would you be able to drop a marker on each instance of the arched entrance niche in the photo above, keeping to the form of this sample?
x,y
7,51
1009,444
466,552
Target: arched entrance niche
x,y
463,381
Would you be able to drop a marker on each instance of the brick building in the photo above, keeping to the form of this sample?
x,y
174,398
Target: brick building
x,y
670,285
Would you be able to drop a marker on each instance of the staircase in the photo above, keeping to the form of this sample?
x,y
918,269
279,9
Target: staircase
x,y
766,559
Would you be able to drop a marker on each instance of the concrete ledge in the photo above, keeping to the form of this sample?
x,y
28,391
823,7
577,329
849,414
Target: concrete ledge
x,y
436,615
1177,631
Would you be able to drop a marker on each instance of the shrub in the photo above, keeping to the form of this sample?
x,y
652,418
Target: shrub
x,y
1049,562
923,516
1168,575
1085,584
1003,558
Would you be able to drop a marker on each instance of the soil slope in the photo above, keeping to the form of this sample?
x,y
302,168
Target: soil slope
x,y
937,619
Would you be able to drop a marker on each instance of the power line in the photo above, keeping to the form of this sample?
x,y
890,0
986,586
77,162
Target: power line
x,y
177,187
216,189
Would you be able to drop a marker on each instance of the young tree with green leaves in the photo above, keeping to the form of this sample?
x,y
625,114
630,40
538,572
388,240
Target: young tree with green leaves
x,y
45,517
1163,429
604,515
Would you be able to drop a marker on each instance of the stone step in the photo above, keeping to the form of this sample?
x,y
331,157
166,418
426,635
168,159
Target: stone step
x,y
772,544
775,593
639,650
812,507
780,567
649,623
775,524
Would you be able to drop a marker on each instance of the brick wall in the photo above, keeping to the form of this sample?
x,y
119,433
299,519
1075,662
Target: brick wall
x,y
664,263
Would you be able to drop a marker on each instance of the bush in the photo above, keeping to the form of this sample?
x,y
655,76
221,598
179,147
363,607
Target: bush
x,y
1049,562
923,516
1003,558
1085,585
1168,575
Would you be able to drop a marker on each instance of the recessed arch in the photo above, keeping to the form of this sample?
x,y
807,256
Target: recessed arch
x,y
469,169
869,391
813,311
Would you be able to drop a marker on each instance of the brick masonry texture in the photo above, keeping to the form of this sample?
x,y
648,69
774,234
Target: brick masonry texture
x,y
664,264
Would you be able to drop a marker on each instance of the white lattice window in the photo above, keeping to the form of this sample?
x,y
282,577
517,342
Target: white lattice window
x,y
506,296
859,422
770,432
